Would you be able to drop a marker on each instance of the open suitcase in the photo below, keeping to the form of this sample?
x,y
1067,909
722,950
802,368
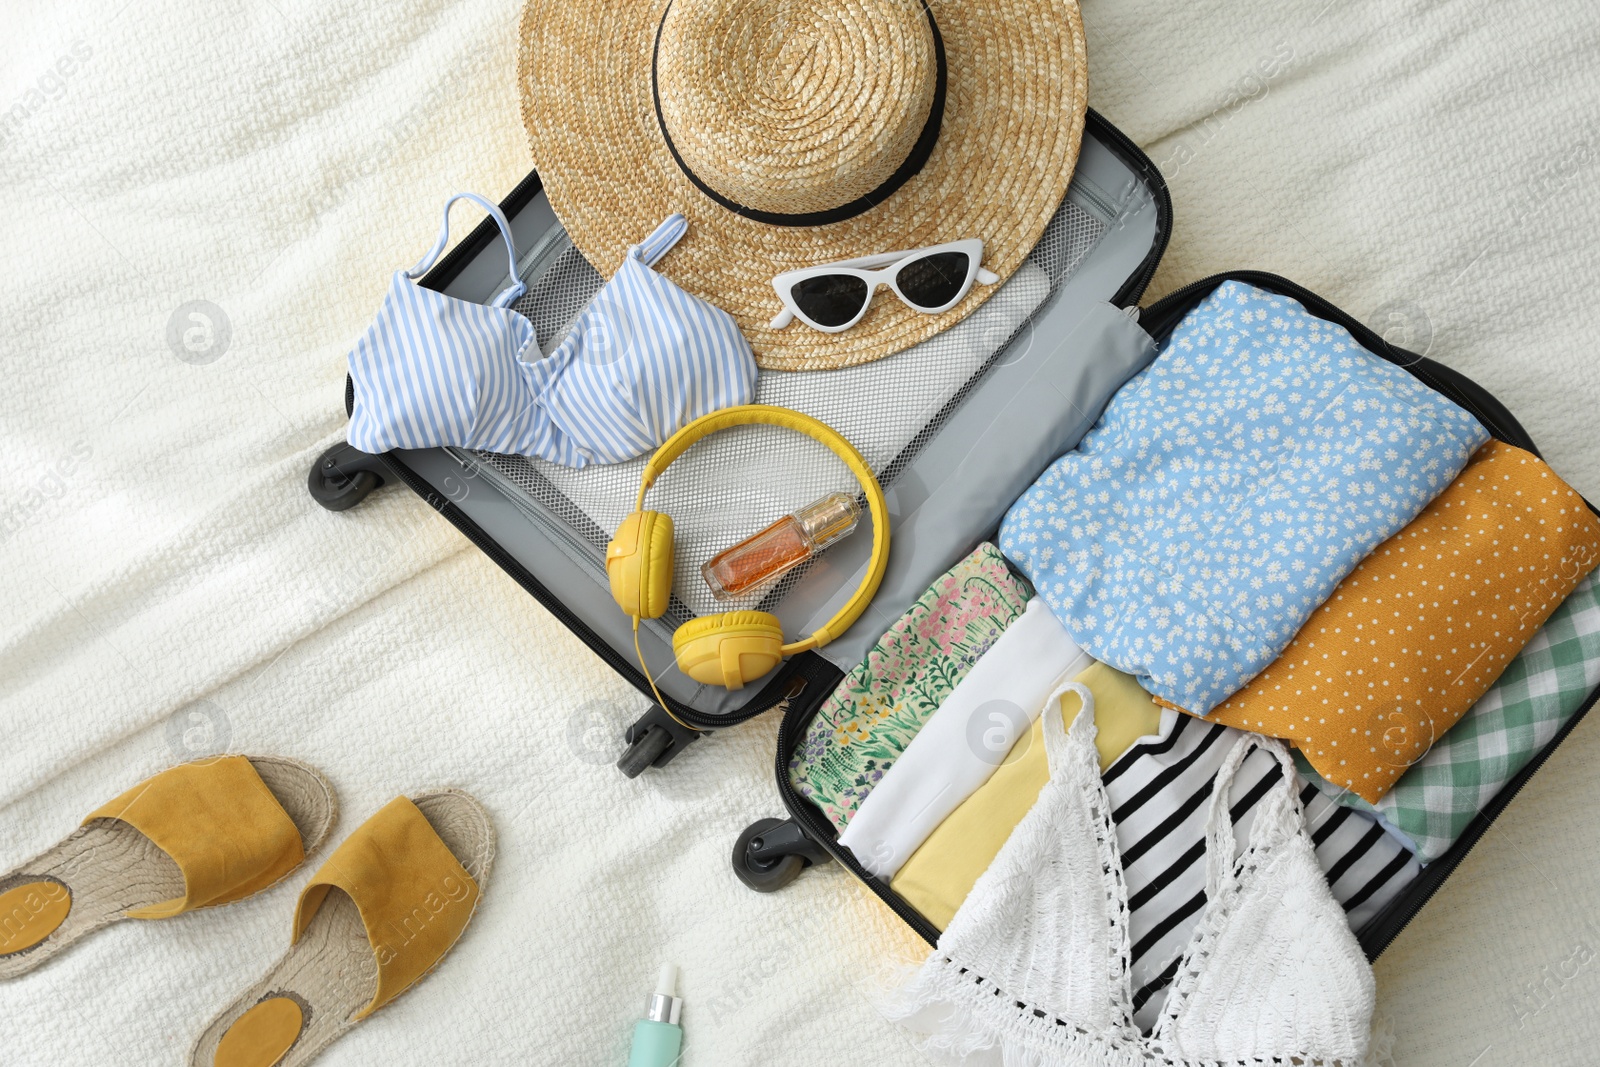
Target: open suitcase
x,y
989,411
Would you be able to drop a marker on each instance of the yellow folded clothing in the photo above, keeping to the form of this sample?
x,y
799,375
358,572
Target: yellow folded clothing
x,y
940,874
1425,625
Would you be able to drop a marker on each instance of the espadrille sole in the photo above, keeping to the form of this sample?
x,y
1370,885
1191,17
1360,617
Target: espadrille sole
x,y
331,973
105,869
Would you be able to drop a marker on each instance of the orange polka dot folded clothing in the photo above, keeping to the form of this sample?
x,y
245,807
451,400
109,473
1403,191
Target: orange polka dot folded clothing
x,y
1423,626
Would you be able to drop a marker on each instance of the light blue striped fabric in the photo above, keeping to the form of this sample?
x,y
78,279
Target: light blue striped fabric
x,y
642,359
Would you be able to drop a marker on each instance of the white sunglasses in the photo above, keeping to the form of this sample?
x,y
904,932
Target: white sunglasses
x,y
834,296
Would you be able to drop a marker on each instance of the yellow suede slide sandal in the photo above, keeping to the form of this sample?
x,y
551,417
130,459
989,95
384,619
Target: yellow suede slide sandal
x,y
381,913
194,836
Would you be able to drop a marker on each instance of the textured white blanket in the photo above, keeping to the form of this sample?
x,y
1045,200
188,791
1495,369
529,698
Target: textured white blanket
x,y
203,205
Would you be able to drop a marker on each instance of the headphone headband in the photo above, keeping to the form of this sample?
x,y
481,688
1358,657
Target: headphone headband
x,y
823,434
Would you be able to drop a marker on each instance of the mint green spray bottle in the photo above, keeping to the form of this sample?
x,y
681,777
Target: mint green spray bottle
x,y
657,1038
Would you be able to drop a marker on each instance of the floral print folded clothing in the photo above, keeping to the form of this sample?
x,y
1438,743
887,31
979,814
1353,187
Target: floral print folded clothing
x,y
1425,625
1538,694
877,709
1227,489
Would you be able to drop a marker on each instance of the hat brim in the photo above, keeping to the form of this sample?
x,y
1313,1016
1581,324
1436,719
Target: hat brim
x,y
1012,124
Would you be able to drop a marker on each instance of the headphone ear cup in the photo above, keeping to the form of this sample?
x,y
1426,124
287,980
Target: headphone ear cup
x,y
639,564
729,649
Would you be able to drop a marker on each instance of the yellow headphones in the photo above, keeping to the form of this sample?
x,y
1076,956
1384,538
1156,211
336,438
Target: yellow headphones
x,y
734,647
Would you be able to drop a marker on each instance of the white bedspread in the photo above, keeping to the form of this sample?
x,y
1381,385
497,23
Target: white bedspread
x,y
169,586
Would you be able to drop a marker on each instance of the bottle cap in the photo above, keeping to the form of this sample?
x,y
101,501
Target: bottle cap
x,y
829,519
665,1005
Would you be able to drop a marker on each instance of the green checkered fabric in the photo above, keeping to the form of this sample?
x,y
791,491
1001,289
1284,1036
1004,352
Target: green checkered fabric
x,y
1435,800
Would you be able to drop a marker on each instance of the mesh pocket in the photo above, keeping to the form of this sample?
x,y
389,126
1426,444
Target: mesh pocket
x,y
735,483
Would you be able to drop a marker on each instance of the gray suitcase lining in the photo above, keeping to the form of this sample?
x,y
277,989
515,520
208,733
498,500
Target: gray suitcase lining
x,y
986,438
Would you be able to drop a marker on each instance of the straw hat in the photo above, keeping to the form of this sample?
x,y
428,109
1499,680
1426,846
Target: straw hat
x,y
794,133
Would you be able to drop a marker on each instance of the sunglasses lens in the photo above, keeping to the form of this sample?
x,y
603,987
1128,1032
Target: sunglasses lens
x,y
830,299
933,281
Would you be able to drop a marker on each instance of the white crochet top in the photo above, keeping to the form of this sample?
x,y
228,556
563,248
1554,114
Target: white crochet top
x,y
1033,969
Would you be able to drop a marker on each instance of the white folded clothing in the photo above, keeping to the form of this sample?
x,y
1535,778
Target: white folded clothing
x,y
965,740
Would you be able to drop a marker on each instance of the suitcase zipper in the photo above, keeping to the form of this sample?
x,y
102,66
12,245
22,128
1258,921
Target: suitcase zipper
x,y
1096,200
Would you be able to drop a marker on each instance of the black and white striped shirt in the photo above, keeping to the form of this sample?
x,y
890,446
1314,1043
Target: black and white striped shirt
x,y
1159,791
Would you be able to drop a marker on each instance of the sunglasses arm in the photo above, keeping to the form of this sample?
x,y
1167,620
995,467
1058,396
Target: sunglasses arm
x,y
781,319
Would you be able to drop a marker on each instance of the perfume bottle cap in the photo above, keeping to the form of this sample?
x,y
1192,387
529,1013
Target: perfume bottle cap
x,y
829,519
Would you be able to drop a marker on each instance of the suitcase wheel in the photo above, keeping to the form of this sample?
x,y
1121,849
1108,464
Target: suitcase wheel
x,y
342,477
771,853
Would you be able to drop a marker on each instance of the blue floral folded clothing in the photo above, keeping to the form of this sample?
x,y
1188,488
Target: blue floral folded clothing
x,y
1227,489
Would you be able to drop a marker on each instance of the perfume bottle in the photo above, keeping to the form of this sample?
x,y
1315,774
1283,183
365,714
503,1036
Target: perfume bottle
x,y
769,555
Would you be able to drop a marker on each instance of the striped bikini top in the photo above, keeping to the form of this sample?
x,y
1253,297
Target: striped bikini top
x,y
1034,967
643,358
